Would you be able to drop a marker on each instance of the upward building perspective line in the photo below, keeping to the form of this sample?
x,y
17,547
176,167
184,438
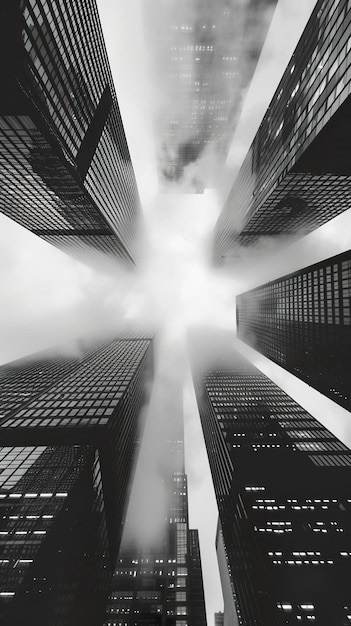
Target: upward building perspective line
x,y
175,430
302,322
67,175
161,582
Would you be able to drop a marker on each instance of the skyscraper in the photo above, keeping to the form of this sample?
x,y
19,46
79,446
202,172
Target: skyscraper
x,y
66,172
55,555
282,486
295,176
73,436
302,322
206,55
158,579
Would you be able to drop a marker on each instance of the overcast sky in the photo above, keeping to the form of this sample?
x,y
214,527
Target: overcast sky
x,y
49,297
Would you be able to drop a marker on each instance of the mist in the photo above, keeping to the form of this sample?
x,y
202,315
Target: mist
x,y
52,299
159,455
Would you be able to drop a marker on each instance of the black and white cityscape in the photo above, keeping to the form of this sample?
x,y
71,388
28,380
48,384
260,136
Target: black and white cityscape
x,y
175,337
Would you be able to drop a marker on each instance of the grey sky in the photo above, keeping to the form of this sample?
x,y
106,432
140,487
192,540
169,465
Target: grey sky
x,y
49,297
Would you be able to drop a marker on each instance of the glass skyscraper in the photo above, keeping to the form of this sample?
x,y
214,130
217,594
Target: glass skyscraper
x,y
66,172
69,435
295,176
161,585
282,486
302,322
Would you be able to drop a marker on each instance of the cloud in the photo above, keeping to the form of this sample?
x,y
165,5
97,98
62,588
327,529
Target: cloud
x,y
161,454
51,298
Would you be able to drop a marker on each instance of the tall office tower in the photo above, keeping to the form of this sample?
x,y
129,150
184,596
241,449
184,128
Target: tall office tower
x,y
282,483
66,172
302,322
158,579
73,437
295,176
205,54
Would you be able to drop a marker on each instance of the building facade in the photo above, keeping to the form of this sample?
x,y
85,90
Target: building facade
x,y
196,585
73,438
66,172
295,176
282,485
53,537
158,582
302,322
160,585
206,55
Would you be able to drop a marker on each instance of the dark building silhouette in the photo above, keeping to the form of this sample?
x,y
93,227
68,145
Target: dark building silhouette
x,y
229,616
206,54
54,548
66,175
282,485
159,582
295,176
219,619
302,322
161,585
69,446
196,586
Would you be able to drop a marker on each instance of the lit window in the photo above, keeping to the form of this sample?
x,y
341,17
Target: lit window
x,y
181,610
7,593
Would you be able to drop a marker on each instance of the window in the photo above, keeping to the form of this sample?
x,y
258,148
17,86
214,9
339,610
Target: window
x,y
181,596
181,610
